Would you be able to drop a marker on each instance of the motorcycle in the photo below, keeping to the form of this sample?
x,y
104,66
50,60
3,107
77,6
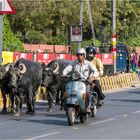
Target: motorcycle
x,y
75,98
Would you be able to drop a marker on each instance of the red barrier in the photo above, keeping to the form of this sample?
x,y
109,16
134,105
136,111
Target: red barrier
x,y
18,55
63,56
107,59
45,57
99,56
73,57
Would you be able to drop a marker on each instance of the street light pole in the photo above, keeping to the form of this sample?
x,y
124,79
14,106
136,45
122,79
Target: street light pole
x,y
114,31
81,17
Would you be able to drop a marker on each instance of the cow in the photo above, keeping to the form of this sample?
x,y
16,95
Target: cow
x,y
5,87
53,80
25,79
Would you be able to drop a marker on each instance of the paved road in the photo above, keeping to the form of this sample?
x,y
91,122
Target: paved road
x,y
119,118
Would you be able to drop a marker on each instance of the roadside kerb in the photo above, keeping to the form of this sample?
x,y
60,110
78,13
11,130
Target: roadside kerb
x,y
119,81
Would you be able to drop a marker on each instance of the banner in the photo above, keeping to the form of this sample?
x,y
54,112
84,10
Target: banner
x,y
27,56
99,56
73,57
45,57
7,57
108,59
63,56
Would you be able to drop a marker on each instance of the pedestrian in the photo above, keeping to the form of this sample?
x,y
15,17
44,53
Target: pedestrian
x,y
134,61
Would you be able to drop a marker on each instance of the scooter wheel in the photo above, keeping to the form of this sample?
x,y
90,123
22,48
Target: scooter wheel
x,y
71,115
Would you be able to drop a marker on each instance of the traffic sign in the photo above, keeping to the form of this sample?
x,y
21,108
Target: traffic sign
x,y
6,7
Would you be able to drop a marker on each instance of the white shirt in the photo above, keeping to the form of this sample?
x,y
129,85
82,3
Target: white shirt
x,y
86,69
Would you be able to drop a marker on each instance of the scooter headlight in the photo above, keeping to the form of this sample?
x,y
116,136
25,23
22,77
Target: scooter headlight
x,y
74,76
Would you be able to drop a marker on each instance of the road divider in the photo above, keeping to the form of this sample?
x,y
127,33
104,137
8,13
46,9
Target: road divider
x,y
119,81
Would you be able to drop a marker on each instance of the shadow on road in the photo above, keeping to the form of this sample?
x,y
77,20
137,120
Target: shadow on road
x,y
134,92
47,121
126,100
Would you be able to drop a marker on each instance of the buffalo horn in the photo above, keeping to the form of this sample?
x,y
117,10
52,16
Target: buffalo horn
x,y
22,68
56,65
7,67
47,68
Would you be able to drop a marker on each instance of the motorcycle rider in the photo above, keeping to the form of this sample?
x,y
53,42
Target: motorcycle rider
x,y
91,52
86,70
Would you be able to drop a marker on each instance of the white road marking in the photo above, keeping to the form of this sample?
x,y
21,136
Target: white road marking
x,y
138,111
125,115
103,121
45,135
75,127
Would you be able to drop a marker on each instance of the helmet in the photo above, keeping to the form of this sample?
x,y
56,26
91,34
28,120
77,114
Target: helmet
x,y
91,50
81,51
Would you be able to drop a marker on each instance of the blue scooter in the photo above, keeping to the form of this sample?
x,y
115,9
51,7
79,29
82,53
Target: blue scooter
x,y
76,99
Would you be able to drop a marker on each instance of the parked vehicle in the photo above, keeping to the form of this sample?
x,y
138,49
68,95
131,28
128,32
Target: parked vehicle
x,y
76,99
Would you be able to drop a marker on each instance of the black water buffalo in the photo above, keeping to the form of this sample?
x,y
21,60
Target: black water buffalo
x,y
5,87
53,80
25,79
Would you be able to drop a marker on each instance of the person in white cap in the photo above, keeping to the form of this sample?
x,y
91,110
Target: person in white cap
x,y
86,70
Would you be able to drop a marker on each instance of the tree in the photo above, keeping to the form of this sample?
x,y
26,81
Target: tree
x,y
10,41
128,21
47,17
46,21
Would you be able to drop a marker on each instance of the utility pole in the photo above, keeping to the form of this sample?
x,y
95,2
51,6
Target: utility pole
x,y
1,29
81,17
114,31
91,22
5,8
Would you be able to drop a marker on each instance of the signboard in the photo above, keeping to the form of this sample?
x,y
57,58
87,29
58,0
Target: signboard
x,y
27,56
76,34
45,57
6,7
108,59
63,56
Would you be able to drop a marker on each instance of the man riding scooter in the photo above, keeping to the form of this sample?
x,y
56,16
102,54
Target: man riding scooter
x,y
91,52
86,70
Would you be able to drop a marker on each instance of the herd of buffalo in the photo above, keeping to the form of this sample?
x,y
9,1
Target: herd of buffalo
x,y
24,77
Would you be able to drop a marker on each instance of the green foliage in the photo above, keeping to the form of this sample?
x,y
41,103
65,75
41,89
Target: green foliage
x,y
46,21
84,44
134,42
10,41
48,17
35,37
59,40
128,13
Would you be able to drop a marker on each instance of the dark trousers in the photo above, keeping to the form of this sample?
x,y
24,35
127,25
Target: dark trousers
x,y
88,88
98,89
